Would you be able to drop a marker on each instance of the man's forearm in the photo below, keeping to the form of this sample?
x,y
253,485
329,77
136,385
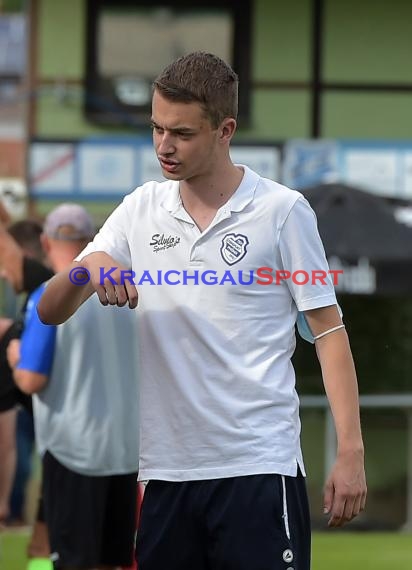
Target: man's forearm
x,y
62,297
339,376
345,488
29,382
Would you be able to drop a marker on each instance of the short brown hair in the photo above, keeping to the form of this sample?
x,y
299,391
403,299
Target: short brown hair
x,y
201,77
27,234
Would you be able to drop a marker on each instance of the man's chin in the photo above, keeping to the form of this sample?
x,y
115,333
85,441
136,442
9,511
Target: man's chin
x,y
171,175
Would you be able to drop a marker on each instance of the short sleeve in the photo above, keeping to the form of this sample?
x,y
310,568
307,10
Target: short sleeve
x,y
112,237
303,255
38,340
304,329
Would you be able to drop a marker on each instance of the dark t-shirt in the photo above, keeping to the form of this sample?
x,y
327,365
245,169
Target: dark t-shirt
x,y
34,274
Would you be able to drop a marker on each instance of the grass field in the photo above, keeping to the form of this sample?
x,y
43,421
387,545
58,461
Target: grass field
x,y
334,550
361,551
13,550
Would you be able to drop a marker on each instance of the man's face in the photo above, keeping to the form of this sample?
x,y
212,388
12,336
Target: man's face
x,y
185,142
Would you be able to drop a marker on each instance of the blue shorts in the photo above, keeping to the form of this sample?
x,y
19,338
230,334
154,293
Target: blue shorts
x,y
256,522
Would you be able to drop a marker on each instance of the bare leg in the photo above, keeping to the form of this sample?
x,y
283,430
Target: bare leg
x,y
39,541
7,459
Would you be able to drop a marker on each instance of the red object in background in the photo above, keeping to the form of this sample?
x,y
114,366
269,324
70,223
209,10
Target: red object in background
x,y
12,158
140,491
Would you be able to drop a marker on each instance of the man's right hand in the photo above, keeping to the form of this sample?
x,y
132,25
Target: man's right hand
x,y
70,288
112,281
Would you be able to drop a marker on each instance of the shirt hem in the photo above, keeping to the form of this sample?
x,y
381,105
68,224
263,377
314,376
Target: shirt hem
x,y
93,471
317,303
179,475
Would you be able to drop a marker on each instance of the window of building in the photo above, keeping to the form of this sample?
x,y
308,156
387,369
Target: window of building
x,y
129,43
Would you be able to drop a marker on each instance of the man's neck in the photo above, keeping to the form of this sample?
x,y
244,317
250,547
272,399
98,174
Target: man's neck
x,y
211,192
202,198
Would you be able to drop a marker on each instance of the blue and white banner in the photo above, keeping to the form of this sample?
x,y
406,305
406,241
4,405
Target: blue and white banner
x,y
106,168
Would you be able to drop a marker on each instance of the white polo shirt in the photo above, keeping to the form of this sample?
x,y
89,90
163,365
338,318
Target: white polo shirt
x,y
218,394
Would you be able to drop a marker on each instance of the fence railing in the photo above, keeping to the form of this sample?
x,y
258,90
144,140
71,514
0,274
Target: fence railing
x,y
372,401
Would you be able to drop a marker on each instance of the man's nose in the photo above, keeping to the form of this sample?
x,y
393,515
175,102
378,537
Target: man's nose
x,y
166,144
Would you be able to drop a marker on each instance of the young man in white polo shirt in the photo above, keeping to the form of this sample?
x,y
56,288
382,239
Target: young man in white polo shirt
x,y
210,250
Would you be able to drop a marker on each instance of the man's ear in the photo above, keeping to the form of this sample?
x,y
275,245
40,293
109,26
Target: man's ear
x,y
227,129
45,243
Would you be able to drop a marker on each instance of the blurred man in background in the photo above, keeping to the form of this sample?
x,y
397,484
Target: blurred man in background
x,y
85,379
23,266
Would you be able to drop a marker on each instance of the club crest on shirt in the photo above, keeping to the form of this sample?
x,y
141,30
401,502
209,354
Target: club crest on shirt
x,y
233,248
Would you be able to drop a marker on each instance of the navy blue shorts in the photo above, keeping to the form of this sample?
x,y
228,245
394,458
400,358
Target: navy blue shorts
x,y
256,522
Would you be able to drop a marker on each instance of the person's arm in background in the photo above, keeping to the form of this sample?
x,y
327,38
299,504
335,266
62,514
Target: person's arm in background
x,y
31,358
11,258
345,489
11,254
4,215
8,457
27,380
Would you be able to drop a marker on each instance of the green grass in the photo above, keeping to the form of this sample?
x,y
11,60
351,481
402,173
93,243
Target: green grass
x,y
13,550
341,550
333,550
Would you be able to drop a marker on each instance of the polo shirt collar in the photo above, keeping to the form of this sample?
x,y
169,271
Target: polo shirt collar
x,y
240,199
172,201
245,191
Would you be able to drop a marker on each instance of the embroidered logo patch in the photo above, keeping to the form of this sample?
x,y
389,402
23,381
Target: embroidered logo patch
x,y
161,242
234,247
